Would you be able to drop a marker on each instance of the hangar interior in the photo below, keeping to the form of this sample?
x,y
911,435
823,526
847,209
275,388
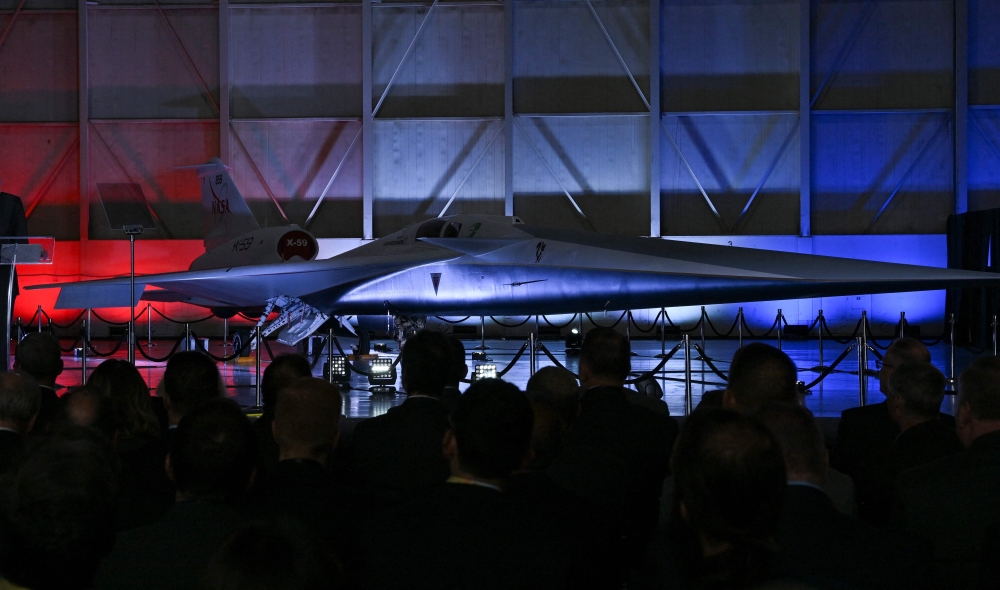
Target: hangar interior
x,y
851,128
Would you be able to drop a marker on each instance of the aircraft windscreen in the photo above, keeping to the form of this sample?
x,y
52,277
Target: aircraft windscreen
x,y
431,229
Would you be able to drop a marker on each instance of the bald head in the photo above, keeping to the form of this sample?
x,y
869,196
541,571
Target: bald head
x,y
902,350
760,374
38,354
307,419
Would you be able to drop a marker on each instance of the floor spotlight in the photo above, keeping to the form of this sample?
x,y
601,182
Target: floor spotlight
x,y
484,371
573,342
337,370
382,375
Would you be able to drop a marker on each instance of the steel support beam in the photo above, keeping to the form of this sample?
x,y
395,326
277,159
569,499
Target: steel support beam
x,y
845,49
960,133
225,82
406,54
83,115
260,176
694,177
50,178
767,174
552,172
902,179
367,125
10,23
654,118
805,118
508,107
469,173
333,178
187,57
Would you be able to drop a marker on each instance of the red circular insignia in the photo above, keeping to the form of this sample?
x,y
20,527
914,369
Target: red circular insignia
x,y
297,243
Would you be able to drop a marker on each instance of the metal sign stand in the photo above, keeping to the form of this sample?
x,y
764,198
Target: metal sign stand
x,y
18,250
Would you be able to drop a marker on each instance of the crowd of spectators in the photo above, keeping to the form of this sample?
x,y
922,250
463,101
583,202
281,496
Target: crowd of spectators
x,y
576,482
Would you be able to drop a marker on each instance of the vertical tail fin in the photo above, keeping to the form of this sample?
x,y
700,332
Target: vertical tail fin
x,y
226,214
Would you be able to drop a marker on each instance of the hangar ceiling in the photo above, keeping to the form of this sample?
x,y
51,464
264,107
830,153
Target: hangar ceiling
x,y
661,117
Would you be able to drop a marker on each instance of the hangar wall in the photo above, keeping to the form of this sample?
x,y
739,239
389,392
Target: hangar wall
x,y
652,117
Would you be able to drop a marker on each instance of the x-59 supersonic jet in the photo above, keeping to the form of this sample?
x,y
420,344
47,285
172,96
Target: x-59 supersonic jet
x,y
479,265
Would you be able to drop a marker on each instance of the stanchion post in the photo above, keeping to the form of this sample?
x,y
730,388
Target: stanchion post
x,y
951,339
329,355
704,315
902,324
257,354
39,314
820,321
663,331
225,335
187,337
482,333
780,331
862,378
83,351
88,324
739,325
532,366
994,325
149,329
688,390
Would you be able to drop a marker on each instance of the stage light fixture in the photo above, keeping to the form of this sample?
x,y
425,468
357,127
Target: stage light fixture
x,y
484,371
382,374
573,342
339,368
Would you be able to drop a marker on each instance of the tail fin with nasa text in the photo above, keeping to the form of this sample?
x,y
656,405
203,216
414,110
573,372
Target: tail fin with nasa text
x,y
226,213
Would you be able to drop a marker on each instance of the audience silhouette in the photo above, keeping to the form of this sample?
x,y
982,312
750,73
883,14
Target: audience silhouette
x,y
561,486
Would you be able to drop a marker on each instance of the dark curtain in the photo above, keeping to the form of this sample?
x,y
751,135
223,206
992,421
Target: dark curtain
x,y
974,244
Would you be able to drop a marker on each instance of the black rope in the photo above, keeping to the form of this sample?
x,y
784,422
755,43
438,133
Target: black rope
x,y
618,321
109,322
173,349
652,326
223,359
514,360
682,330
871,338
571,320
270,354
182,322
830,369
878,355
96,352
447,321
499,323
72,347
71,322
652,372
552,358
854,334
33,317
246,317
712,327
705,359
753,336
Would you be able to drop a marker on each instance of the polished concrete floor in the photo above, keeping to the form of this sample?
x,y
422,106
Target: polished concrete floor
x,y
837,391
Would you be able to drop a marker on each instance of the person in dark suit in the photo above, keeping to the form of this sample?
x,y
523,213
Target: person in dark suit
x,y
284,369
457,371
761,374
617,453
190,378
19,403
587,531
729,484
465,533
398,454
306,428
39,355
952,501
815,542
12,223
916,390
869,430
558,387
57,513
211,461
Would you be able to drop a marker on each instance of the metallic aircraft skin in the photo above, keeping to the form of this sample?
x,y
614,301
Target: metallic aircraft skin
x,y
507,267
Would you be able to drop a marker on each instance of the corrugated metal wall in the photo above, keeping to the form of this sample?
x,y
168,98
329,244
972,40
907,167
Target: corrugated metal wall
x,y
770,117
